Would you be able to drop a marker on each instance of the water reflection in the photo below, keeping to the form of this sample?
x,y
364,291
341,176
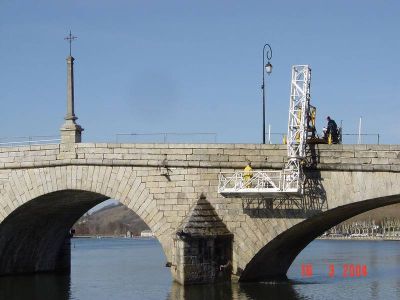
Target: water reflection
x,y
235,291
39,286
281,290
53,286
200,292
375,289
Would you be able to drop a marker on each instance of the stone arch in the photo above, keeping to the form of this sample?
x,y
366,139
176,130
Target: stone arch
x,y
274,259
64,193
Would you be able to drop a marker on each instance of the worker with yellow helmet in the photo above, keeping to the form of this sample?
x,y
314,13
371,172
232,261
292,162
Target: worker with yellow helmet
x,y
247,174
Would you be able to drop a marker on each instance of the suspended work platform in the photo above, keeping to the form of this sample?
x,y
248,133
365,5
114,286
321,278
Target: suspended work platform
x,y
261,184
289,181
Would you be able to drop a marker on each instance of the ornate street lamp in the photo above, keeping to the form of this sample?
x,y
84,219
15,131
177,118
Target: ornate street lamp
x,y
267,68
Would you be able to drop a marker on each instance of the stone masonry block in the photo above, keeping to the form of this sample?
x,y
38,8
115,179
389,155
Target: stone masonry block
x,y
344,154
204,151
366,154
357,161
200,157
379,147
219,157
395,161
388,154
380,161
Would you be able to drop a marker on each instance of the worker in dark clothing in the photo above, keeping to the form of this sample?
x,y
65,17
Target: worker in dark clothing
x,y
332,130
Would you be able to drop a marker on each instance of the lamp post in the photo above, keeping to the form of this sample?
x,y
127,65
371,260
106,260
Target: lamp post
x,y
267,68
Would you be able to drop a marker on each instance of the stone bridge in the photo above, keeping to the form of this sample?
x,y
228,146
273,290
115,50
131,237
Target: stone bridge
x,y
44,189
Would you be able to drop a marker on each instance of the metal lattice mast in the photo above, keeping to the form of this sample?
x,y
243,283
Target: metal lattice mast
x,y
289,181
298,114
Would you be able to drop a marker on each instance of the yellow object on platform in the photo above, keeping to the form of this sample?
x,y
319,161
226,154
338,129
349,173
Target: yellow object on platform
x,y
247,175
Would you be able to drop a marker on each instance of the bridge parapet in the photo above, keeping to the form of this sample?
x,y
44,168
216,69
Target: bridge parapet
x,y
225,156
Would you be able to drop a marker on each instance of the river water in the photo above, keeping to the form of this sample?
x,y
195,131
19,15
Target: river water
x,y
134,269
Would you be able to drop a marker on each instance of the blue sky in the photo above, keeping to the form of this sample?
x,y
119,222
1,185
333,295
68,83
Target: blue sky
x,y
196,66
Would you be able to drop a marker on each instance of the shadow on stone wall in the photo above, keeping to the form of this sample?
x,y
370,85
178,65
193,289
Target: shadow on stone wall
x,y
314,198
312,156
312,202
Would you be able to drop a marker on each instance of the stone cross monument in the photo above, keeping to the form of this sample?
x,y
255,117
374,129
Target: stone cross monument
x,y
70,131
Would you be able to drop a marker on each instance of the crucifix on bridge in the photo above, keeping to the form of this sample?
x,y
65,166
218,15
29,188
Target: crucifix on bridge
x,y
70,38
70,131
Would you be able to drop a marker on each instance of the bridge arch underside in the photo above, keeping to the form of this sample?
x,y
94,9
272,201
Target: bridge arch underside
x,y
35,236
274,259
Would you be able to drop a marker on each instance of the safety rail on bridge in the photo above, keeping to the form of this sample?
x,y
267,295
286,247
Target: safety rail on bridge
x,y
29,140
168,137
265,184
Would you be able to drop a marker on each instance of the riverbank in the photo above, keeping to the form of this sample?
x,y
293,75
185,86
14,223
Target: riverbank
x,y
360,238
110,237
340,238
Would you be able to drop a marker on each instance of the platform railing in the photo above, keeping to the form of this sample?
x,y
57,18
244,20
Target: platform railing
x,y
282,181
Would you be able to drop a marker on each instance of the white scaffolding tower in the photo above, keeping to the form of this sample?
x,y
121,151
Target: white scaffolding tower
x,y
289,181
298,124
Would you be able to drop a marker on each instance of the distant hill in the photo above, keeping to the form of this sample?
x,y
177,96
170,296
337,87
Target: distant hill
x,y
110,220
390,211
118,219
